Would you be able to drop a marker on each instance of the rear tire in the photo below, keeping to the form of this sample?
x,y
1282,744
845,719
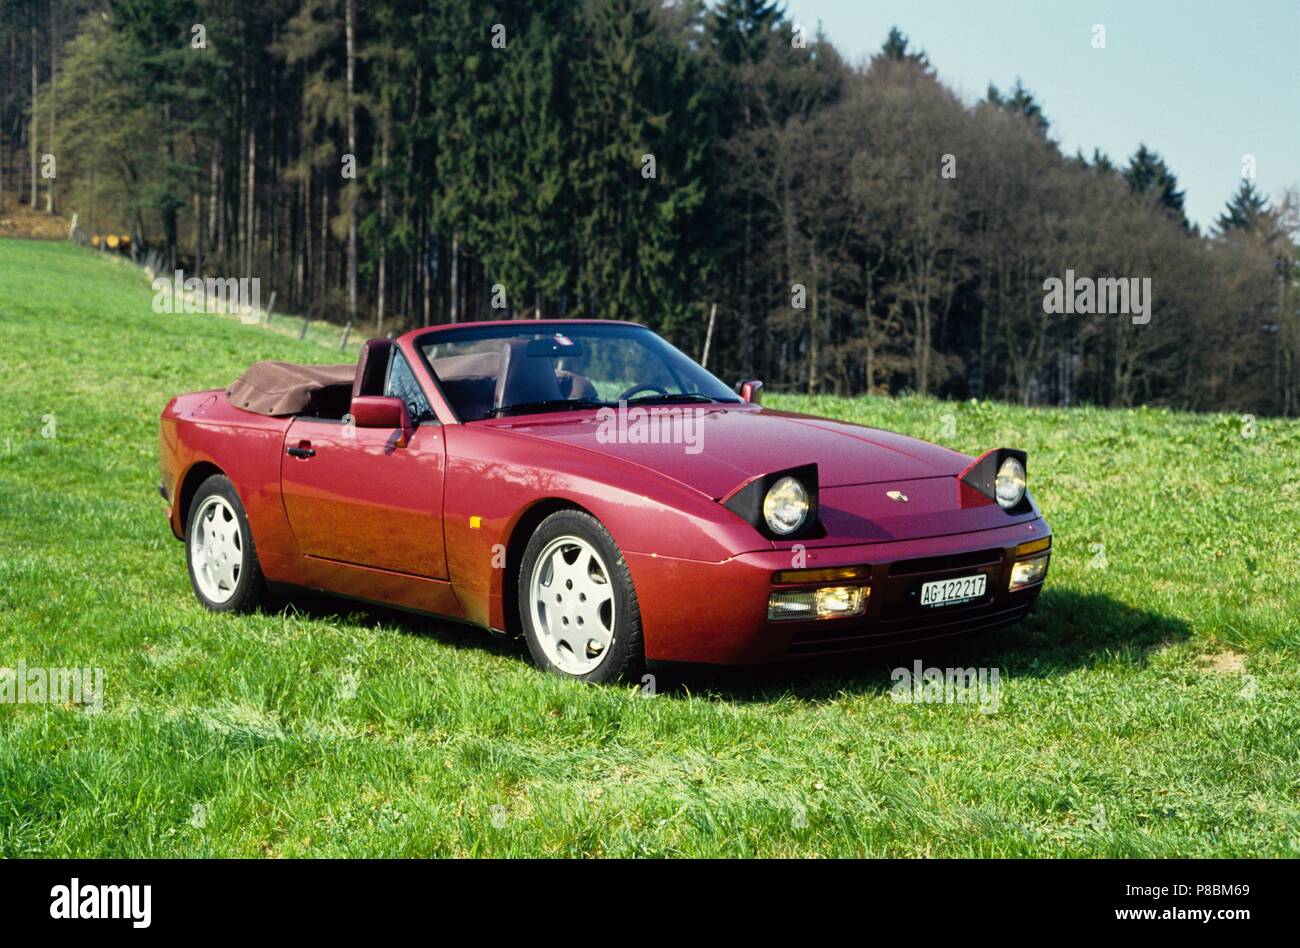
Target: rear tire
x,y
219,550
577,604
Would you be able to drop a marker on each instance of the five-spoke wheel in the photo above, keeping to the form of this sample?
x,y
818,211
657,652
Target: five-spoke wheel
x,y
219,546
573,605
577,603
216,549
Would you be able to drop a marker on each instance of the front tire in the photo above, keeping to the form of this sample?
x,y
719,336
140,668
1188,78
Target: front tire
x,y
219,549
577,603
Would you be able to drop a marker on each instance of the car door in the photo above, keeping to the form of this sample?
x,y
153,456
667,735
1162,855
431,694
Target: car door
x,y
353,496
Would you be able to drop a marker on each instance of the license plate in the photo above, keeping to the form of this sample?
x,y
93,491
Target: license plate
x,y
950,592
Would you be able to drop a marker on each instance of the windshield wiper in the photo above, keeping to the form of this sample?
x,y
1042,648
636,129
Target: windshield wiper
x,y
550,404
668,397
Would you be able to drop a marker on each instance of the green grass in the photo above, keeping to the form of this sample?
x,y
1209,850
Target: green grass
x,y
1149,707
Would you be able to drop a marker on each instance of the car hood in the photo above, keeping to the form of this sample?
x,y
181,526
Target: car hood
x,y
715,449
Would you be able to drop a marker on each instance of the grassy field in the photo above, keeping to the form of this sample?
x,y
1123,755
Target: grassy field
x,y
1149,707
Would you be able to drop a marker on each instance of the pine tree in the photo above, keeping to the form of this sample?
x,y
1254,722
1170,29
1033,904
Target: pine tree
x,y
1147,173
741,32
160,61
1021,102
1245,211
895,49
638,101
110,128
1102,164
322,40
742,29
527,139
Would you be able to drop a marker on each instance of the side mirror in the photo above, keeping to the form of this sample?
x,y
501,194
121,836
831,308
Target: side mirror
x,y
377,411
751,390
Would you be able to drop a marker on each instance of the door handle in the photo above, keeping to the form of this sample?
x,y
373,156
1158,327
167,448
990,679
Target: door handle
x,y
303,450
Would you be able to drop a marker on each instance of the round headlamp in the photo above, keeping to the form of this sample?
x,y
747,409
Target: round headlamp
x,y
1009,487
785,508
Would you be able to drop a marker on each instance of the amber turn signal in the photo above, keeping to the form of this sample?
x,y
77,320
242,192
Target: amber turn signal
x,y
831,574
1033,546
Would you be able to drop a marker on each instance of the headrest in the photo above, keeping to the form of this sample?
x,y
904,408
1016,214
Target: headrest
x,y
372,367
524,378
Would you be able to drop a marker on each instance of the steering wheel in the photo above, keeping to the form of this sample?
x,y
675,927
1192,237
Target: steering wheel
x,y
635,389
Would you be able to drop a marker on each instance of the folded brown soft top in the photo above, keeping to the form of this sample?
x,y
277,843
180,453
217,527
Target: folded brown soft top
x,y
286,388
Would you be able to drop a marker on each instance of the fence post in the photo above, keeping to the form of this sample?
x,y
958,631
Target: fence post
x,y
270,308
347,331
302,333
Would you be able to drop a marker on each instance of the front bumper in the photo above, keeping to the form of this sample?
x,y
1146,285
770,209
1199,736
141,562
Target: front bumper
x,y
717,612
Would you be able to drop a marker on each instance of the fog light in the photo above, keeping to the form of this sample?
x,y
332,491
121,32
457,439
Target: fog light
x,y
829,602
1027,572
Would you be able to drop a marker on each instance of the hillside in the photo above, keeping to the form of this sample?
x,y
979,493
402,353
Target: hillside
x,y
1149,707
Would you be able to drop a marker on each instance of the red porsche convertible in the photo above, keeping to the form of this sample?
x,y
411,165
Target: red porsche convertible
x,y
587,485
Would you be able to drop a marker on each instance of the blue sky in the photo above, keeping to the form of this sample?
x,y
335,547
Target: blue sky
x,y
1200,82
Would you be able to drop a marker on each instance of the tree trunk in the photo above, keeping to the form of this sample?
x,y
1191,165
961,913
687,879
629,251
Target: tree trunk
x,y
220,212
308,278
272,270
323,276
424,269
813,327
212,201
455,278
350,26
198,234
54,74
32,125
383,231
299,232
868,273
169,208
250,224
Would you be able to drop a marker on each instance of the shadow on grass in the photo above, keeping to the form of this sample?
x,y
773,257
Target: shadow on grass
x,y
315,605
1068,630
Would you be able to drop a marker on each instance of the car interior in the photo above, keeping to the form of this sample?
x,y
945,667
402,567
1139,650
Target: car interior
x,y
477,382
331,402
474,383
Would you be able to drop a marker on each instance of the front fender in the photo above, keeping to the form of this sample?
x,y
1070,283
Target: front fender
x,y
494,478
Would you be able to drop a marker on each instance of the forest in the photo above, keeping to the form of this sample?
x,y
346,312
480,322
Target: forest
x,y
710,170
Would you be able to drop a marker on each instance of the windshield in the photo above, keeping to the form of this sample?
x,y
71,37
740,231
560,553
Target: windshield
x,y
490,371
